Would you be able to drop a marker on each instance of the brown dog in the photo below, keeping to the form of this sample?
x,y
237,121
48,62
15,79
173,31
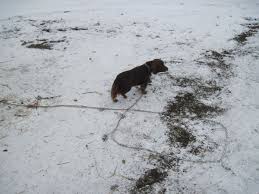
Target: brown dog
x,y
139,75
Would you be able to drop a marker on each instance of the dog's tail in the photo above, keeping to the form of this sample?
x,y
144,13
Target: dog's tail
x,y
114,92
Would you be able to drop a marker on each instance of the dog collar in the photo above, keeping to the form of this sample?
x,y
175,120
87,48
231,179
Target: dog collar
x,y
148,67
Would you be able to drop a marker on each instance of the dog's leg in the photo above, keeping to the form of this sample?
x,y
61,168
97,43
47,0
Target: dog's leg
x,y
124,96
143,88
114,92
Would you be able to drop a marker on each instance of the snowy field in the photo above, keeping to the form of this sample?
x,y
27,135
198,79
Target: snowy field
x,y
195,131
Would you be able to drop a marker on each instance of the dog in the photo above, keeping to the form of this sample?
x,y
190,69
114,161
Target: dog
x,y
139,75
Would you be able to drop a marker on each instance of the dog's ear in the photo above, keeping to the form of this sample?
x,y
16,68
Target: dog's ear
x,y
149,63
154,65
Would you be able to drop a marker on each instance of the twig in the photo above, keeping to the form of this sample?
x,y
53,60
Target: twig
x,y
92,93
125,177
47,98
63,163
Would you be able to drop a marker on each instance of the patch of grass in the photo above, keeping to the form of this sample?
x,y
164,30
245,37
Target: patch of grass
x,y
241,38
217,63
145,182
186,82
78,28
200,87
165,161
62,29
187,105
46,30
202,149
41,43
252,30
172,61
218,58
180,135
214,55
56,41
207,90
197,150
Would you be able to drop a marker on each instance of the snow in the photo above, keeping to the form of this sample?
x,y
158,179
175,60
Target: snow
x,y
61,150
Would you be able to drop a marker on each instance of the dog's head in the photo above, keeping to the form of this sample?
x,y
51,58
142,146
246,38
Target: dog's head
x,y
157,65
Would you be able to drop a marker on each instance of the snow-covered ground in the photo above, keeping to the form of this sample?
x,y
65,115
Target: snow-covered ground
x,y
82,46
